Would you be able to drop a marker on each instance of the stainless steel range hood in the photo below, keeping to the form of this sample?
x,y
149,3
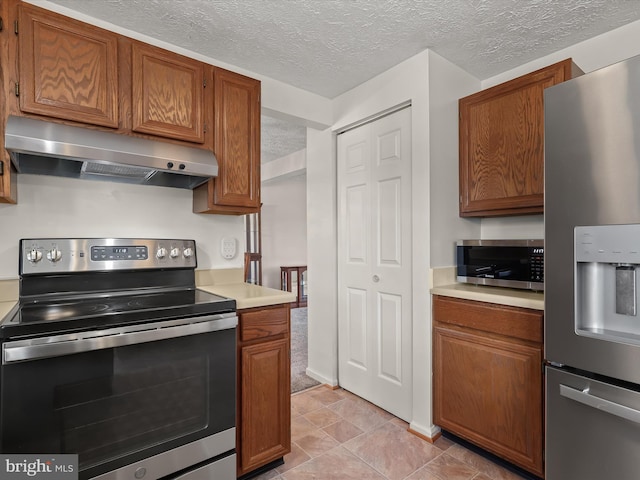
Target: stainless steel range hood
x,y
46,148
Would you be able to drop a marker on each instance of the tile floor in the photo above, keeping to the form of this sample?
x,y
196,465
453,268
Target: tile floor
x,y
337,435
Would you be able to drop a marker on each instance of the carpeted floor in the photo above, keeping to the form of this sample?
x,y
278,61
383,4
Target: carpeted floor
x,y
299,380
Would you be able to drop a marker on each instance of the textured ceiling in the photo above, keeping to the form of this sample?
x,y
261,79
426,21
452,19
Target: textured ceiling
x,y
330,46
280,138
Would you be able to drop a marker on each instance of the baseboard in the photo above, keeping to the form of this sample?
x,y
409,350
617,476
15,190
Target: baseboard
x,y
429,434
321,378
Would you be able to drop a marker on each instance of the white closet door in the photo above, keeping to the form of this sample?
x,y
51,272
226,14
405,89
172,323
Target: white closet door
x,y
374,262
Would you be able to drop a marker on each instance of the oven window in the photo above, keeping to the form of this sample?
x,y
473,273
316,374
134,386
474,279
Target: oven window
x,y
115,406
141,403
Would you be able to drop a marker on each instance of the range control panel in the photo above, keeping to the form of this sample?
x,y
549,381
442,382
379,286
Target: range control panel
x,y
49,255
133,252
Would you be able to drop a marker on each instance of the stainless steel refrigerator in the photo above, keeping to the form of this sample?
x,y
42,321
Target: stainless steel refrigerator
x,y
592,275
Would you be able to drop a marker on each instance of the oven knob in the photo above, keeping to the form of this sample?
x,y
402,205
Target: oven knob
x,y
34,256
175,252
54,255
161,252
188,252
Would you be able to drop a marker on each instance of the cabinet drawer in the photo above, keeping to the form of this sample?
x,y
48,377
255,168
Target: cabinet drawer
x,y
263,322
513,322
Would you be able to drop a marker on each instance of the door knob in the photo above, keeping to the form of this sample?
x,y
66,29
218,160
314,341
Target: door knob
x,y
376,278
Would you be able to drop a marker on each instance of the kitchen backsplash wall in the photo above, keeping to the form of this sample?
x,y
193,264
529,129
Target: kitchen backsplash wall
x,y
61,207
517,227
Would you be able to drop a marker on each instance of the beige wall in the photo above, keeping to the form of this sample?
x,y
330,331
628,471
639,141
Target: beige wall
x,y
284,226
63,207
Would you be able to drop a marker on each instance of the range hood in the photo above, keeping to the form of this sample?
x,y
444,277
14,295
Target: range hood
x,y
46,148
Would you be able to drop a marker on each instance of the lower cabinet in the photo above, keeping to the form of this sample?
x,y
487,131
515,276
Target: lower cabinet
x,y
488,384
264,386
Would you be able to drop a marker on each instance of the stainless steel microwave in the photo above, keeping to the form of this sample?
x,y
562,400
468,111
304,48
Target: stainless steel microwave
x,y
502,263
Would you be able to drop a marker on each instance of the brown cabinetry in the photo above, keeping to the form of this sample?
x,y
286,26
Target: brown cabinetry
x,y
502,144
8,102
71,71
488,386
68,69
236,189
264,386
167,94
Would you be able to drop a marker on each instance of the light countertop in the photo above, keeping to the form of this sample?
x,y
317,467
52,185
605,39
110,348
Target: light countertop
x,y
229,283
225,282
443,281
5,307
247,295
502,296
8,296
9,290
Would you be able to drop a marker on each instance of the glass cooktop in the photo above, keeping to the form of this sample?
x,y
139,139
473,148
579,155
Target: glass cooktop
x,y
91,312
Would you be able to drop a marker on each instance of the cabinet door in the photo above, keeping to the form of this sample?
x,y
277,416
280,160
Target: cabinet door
x,y
489,391
167,94
237,140
8,187
68,69
502,145
8,102
265,406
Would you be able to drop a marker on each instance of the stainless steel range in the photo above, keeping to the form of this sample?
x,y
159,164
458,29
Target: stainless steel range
x,y
113,354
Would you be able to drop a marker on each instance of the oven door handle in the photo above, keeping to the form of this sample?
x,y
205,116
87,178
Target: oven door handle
x,y
59,345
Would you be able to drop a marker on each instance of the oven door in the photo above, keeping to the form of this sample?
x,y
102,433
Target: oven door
x,y
125,397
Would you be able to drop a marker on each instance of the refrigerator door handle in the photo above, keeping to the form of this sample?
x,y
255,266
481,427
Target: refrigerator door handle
x,y
584,397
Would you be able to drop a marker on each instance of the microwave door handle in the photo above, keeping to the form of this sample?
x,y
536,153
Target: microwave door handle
x,y
57,346
613,408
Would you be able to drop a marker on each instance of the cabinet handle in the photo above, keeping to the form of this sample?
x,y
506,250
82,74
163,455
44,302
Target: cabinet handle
x,y
376,278
584,397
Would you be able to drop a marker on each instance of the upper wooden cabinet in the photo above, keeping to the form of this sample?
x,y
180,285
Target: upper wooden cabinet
x,y
502,144
68,69
7,192
167,94
71,71
236,190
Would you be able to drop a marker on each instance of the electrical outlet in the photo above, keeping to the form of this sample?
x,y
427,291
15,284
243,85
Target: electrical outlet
x,y
228,247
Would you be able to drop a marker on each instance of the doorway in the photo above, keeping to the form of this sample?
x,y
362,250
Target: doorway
x,y
374,262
